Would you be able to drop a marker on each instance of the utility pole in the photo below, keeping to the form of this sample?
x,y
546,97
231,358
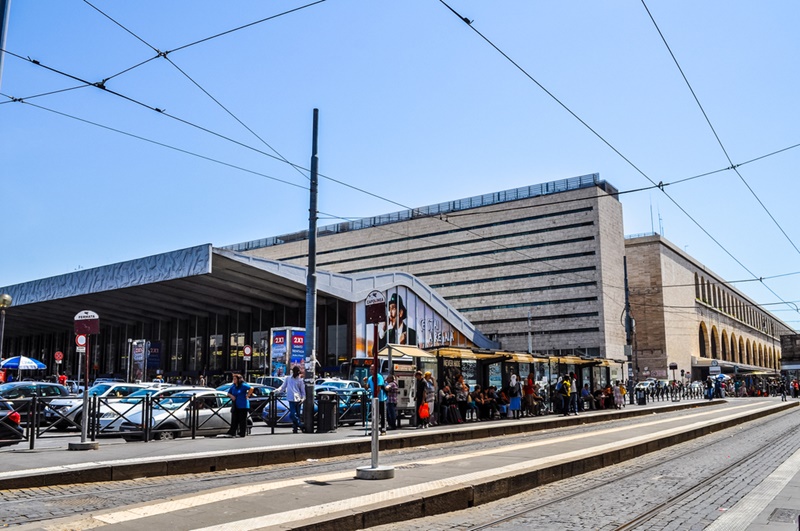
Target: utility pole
x,y
629,334
530,339
5,12
311,287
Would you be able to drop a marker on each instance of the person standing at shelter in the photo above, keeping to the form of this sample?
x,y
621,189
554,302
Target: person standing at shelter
x,y
573,393
239,393
392,390
419,399
381,396
514,397
295,389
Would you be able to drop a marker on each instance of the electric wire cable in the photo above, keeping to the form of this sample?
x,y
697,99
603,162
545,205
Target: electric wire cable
x,y
734,167
469,23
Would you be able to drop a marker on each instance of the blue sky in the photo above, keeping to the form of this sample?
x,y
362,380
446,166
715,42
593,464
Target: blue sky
x,y
415,108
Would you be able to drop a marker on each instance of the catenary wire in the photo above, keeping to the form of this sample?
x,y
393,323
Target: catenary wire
x,y
162,144
212,132
468,22
713,130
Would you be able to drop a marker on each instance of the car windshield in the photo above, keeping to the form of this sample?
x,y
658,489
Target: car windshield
x,y
138,395
99,389
17,391
173,402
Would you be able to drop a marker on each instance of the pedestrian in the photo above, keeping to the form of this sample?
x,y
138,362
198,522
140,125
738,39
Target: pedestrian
x,y
573,392
514,396
381,396
295,389
239,393
392,390
430,397
619,398
421,421
202,381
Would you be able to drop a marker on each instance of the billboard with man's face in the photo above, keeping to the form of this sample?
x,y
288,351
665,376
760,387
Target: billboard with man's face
x,y
409,321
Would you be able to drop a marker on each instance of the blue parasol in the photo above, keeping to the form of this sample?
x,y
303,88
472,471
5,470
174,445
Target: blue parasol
x,y
21,363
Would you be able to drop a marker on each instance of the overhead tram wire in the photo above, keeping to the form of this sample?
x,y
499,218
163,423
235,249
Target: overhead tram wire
x,y
162,144
734,167
100,85
469,24
12,99
203,90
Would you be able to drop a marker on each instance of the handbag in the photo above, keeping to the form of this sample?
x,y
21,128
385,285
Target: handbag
x,y
424,412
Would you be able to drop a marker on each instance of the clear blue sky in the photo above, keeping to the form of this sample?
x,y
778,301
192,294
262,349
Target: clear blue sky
x,y
415,107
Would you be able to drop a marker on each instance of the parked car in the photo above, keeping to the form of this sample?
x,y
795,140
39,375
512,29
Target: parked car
x,y
68,412
337,383
116,411
172,417
270,381
647,385
10,431
19,394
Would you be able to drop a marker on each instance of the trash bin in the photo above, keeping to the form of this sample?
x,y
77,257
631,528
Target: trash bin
x,y
327,411
641,399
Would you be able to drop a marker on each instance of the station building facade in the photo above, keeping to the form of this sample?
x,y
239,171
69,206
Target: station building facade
x,y
686,314
537,268
198,308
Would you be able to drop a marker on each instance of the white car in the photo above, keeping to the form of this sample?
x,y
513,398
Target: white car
x,y
172,417
68,412
113,412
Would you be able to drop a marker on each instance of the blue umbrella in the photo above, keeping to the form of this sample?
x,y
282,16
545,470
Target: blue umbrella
x,y
22,363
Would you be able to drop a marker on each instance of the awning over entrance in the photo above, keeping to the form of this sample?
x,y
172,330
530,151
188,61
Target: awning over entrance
x,y
731,367
405,350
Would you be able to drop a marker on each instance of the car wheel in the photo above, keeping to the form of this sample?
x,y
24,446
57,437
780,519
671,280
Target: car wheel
x,y
165,435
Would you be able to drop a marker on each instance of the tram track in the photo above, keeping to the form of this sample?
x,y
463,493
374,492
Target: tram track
x,y
646,516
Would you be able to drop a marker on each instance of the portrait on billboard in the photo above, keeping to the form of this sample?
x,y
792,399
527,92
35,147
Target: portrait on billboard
x,y
396,330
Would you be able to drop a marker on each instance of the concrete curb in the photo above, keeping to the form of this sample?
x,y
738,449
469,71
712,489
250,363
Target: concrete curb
x,y
503,486
170,465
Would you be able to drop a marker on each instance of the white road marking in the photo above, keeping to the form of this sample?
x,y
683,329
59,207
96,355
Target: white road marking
x,y
144,511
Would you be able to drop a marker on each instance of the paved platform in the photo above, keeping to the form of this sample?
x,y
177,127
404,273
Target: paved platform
x,y
420,487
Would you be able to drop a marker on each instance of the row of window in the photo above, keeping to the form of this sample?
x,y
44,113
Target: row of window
x,y
456,231
527,304
728,347
563,316
515,277
729,303
521,290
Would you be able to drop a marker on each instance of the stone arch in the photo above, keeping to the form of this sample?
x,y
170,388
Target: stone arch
x,y
714,343
725,346
748,353
705,349
734,349
759,355
742,351
771,358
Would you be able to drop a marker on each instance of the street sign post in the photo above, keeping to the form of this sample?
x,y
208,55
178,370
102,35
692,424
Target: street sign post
x,y
376,313
86,323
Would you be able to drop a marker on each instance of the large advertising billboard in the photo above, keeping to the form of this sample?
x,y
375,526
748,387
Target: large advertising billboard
x,y
287,349
409,321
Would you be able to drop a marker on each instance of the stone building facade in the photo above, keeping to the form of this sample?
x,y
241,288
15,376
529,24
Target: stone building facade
x,y
540,263
686,314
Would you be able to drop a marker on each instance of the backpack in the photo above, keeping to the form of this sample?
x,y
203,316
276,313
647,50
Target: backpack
x,y
513,391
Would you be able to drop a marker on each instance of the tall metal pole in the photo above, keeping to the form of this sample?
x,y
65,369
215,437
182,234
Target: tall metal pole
x,y
311,287
5,12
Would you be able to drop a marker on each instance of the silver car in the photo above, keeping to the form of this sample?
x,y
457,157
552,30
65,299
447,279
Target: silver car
x,y
114,411
173,417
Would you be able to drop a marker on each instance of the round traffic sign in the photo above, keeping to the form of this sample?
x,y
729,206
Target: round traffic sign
x,y
80,340
58,356
248,350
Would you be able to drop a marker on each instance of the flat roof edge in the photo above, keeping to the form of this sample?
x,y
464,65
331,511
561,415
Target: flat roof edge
x,y
173,265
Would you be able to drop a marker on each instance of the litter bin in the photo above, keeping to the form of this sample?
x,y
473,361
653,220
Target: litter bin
x,y
641,399
327,411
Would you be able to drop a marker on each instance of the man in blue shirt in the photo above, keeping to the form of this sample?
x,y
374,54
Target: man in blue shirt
x,y
239,393
381,398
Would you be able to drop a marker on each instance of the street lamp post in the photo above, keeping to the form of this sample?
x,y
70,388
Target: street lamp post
x,y
5,302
